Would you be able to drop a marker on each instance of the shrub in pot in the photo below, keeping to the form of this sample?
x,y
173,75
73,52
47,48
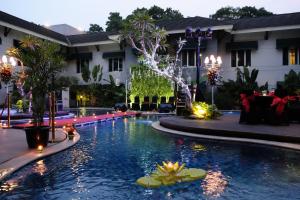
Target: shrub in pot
x,y
43,62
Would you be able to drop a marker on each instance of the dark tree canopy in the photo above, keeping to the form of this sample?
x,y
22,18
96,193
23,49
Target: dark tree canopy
x,y
228,13
94,28
115,22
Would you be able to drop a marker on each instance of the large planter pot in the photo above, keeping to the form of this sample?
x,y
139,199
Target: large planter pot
x,y
37,135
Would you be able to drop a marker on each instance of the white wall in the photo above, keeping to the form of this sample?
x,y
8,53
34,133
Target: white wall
x,y
70,69
7,42
266,58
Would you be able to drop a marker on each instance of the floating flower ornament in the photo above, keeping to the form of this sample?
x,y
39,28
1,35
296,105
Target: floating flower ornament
x,y
169,174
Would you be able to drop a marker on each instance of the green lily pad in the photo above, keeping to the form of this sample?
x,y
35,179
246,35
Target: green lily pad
x,y
168,182
149,182
183,173
188,179
197,173
157,173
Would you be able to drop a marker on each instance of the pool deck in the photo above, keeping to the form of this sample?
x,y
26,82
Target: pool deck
x,y
82,121
228,128
15,154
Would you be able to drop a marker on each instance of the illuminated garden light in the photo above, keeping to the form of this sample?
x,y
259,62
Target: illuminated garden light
x,y
40,148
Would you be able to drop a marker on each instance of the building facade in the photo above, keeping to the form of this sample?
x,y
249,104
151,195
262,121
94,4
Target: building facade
x,y
270,44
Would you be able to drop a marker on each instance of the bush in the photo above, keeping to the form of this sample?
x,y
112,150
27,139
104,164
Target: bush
x,y
205,111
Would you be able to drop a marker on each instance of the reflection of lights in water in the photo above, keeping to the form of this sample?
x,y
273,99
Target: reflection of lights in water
x,y
198,147
169,194
214,184
40,167
9,186
113,123
79,158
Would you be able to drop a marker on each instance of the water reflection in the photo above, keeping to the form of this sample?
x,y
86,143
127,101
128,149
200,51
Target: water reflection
x,y
214,184
9,186
40,167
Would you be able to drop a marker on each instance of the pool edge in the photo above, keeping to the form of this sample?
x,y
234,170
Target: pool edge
x,y
156,125
17,163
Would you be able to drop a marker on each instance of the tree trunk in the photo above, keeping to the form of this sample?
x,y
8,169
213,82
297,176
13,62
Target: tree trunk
x,y
38,106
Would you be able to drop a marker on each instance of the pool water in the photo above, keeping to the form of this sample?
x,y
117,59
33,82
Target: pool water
x,y
111,156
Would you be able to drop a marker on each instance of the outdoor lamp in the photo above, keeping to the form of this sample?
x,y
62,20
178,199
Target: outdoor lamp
x,y
213,59
12,61
219,60
40,148
206,61
188,32
4,59
209,33
198,32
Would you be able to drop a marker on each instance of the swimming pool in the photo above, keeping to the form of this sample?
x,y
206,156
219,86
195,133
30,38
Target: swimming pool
x,y
110,156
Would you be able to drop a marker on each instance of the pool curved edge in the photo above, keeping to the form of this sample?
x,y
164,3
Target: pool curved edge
x,y
156,125
16,163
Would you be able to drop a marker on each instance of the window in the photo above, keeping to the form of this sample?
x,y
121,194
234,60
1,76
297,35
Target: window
x,y
16,43
188,57
291,56
81,63
115,64
240,58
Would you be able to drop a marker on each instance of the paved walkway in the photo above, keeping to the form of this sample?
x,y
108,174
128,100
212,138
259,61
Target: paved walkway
x,y
13,143
228,126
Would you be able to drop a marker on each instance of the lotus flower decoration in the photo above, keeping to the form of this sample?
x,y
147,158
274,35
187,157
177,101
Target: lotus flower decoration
x,y
170,173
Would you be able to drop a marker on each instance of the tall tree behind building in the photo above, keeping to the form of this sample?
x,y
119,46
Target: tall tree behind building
x,y
94,28
229,13
115,22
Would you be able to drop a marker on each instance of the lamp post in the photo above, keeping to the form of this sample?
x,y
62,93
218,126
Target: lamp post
x,y
213,68
198,35
6,65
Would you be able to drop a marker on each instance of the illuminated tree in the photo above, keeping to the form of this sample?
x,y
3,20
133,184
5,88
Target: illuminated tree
x,y
149,41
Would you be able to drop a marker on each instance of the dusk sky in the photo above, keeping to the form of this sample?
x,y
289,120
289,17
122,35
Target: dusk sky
x,y
80,13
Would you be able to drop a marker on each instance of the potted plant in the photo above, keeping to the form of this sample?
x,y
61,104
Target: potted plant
x,y
43,62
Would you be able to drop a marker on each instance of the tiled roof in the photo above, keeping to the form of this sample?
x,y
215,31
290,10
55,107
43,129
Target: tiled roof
x,y
194,22
88,37
169,25
268,21
10,19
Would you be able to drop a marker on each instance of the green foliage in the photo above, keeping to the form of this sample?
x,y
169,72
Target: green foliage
x,y
292,82
43,63
63,82
145,83
228,94
115,22
229,13
85,73
157,13
95,28
205,111
97,73
247,80
22,105
101,96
